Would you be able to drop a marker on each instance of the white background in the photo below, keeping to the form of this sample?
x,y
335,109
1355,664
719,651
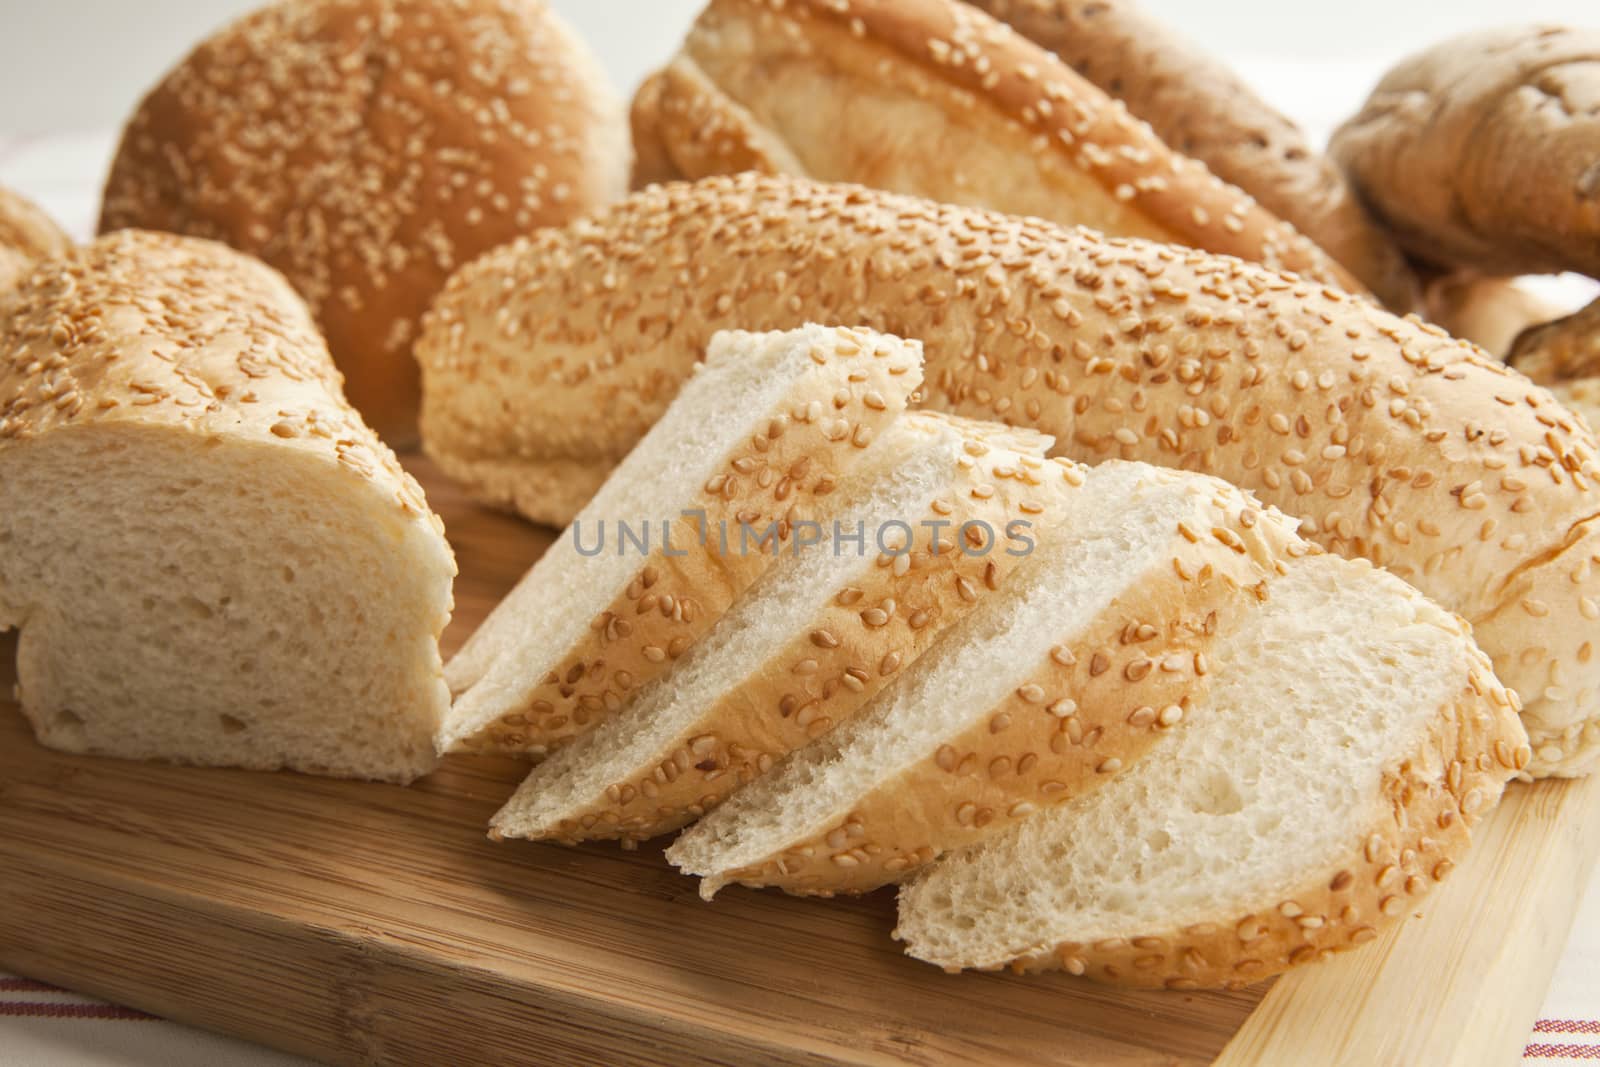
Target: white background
x,y
80,64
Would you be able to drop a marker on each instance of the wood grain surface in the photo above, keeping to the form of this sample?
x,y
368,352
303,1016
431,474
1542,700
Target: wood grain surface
x,y
359,923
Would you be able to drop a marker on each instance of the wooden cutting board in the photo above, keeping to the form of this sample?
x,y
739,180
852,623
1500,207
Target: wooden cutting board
x,y
360,923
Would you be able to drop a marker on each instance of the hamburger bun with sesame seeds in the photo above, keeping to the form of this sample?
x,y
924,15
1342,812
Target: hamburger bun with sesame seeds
x,y
367,148
959,506
1443,147
1351,737
1095,650
27,235
937,99
211,559
1200,107
757,442
1389,439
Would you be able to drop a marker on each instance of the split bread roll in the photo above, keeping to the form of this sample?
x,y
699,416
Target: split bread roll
x,y
1351,736
756,442
1388,438
1097,648
1200,107
27,235
1444,147
367,148
211,559
935,98
962,504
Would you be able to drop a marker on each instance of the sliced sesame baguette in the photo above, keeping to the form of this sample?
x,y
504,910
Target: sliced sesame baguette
x,y
1096,650
211,558
1351,736
935,98
1392,440
815,638
757,440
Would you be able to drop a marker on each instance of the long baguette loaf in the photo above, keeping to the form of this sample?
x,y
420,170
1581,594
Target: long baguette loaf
x,y
209,555
755,443
1096,649
816,637
1353,735
1203,109
937,99
1390,439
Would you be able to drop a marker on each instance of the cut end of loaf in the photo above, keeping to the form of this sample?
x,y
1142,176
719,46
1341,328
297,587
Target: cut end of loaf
x,y
1353,733
219,602
759,438
1094,649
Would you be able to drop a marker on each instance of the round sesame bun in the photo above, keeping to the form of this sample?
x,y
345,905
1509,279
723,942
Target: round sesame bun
x,y
26,234
937,99
1389,438
1443,148
366,148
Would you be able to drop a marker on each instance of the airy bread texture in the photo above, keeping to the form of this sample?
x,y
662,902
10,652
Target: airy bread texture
x,y
1492,313
756,442
1443,148
1097,649
1351,737
1200,107
367,148
937,99
27,234
816,637
211,559
1388,438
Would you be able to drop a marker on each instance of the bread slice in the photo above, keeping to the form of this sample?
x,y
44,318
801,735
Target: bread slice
x,y
1097,649
211,559
816,637
755,442
1352,735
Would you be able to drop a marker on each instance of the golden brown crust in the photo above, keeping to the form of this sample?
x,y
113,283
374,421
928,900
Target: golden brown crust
x,y
1394,441
1203,109
1443,147
690,128
1106,694
790,72
367,148
1560,351
853,647
27,235
1421,826
781,474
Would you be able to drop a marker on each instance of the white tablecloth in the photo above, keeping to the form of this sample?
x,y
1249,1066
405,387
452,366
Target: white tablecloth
x,y
43,1027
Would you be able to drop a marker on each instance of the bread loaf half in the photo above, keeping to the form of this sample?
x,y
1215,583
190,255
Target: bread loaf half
x,y
1200,107
1390,439
937,99
755,443
1443,148
1351,736
367,148
1098,646
959,507
27,234
211,559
